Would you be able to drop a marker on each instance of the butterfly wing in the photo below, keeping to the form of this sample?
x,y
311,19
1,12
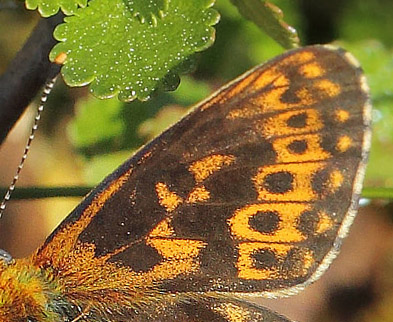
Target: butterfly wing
x,y
204,309
251,192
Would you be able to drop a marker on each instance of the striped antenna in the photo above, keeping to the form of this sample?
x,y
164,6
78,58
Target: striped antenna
x,y
47,89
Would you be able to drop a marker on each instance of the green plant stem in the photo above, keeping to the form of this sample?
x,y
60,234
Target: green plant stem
x,y
23,193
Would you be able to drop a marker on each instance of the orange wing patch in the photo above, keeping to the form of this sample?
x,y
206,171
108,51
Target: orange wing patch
x,y
282,228
271,100
163,229
325,223
341,115
291,123
264,261
205,167
287,182
328,87
335,181
168,199
344,143
300,148
312,70
199,194
274,78
301,57
180,255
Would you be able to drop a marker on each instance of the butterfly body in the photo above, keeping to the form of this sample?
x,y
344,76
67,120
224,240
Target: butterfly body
x,y
251,192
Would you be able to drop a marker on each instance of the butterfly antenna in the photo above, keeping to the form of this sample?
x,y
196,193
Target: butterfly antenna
x,y
47,89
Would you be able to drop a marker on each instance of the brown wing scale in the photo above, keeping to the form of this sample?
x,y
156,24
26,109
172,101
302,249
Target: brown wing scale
x,y
250,192
253,186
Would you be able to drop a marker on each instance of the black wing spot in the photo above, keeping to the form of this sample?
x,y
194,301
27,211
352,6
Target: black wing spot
x,y
298,146
279,182
265,221
264,259
298,121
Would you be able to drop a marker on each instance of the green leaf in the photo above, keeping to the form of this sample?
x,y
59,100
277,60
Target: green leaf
x,y
270,19
50,7
113,51
147,10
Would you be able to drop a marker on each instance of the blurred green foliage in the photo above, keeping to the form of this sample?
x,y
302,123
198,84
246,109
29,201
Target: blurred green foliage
x,y
377,62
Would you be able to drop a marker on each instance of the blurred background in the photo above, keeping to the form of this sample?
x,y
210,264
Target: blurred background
x,y
82,139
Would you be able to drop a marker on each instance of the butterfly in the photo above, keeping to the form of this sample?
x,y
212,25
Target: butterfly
x,y
251,193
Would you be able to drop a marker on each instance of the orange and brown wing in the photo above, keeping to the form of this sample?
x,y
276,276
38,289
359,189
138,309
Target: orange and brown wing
x,y
207,309
250,192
